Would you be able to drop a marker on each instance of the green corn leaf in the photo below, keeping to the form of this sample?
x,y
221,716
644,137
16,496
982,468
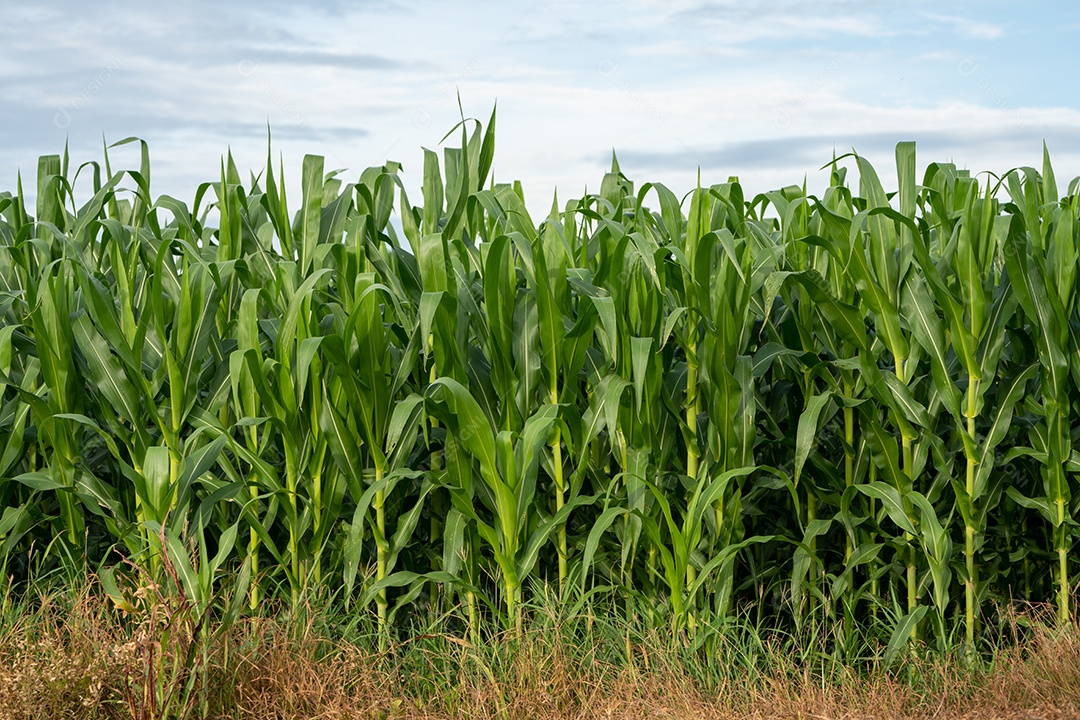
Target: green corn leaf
x,y
902,633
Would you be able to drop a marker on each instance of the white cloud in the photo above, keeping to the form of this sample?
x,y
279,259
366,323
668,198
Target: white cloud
x,y
762,90
675,48
970,28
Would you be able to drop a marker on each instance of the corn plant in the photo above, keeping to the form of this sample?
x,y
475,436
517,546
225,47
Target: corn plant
x,y
811,407
1041,256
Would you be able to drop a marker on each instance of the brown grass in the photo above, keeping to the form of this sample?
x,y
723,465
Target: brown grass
x,y
80,658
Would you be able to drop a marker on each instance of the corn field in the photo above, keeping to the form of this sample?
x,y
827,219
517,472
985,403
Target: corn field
x,y
855,408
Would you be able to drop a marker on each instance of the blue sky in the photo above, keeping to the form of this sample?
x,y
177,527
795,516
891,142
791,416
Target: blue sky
x,y
765,91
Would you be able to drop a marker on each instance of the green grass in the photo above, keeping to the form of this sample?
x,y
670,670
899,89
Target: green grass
x,y
847,416
64,652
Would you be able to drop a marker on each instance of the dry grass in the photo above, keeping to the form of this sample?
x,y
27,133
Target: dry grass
x,y
77,657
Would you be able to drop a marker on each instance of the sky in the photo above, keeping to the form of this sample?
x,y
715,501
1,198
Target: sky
x,y
766,91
